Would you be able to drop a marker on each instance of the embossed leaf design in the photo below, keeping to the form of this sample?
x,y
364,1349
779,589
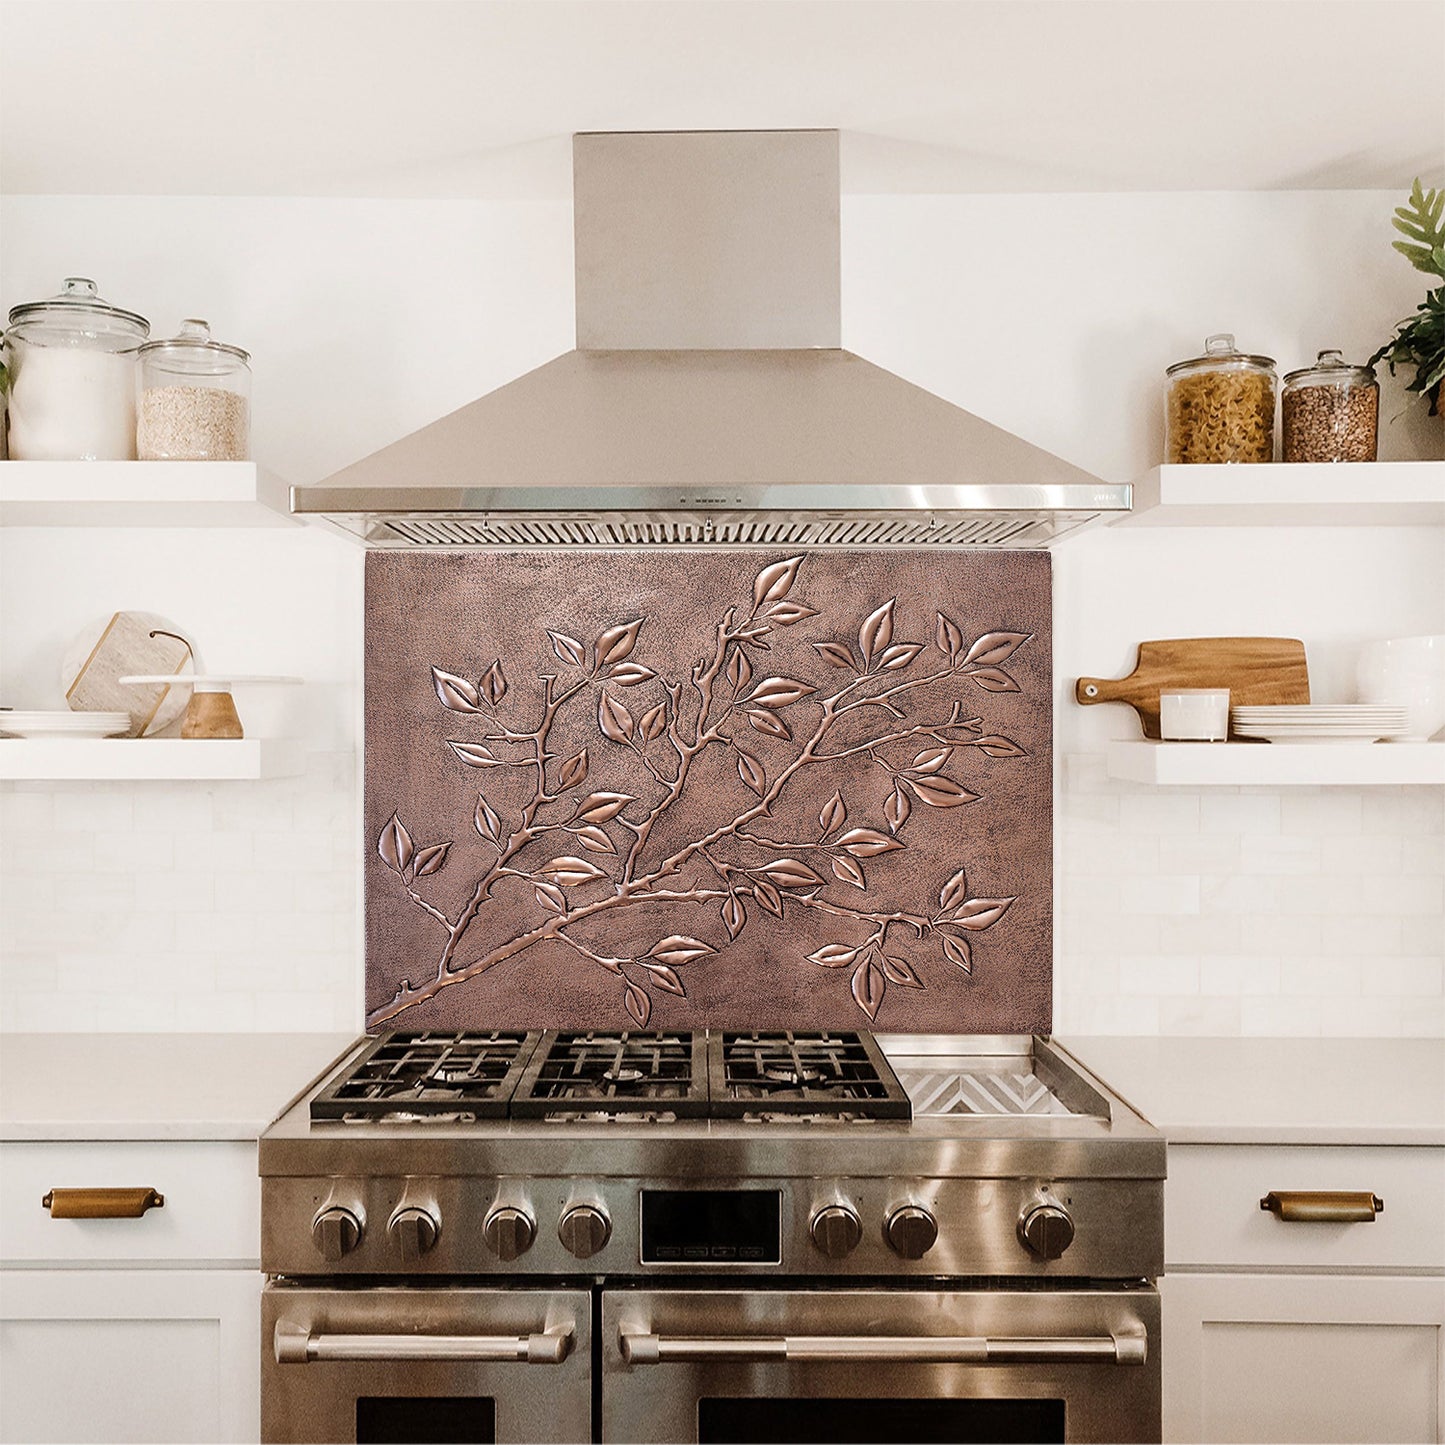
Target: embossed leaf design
x,y
768,898
896,810
776,692
958,951
602,807
431,859
898,656
395,845
775,581
664,978
785,614
750,770
677,949
614,719
740,670
630,674
931,760
593,839
568,649
980,913
995,647
768,723
834,814
949,637
550,897
474,755
653,723
869,987
999,747
834,955
573,771
900,971
789,873
847,870
994,679
617,643
877,630
940,792
570,872
637,1003
734,915
836,654
455,693
867,842
494,683
954,891
486,822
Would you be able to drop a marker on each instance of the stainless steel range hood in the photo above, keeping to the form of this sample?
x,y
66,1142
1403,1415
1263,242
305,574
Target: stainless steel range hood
x,y
709,401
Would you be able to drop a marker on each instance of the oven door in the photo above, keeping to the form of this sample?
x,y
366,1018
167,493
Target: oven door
x,y
880,1365
400,1364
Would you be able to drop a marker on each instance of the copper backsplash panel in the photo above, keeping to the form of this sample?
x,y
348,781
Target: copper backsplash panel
x,y
673,789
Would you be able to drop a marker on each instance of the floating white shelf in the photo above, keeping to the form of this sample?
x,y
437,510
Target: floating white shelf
x,y
1292,494
141,494
150,759
1277,764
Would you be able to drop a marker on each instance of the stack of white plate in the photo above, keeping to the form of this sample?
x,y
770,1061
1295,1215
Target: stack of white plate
x,y
1321,723
17,724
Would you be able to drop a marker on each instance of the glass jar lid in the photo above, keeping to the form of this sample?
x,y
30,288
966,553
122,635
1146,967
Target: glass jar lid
x,y
192,350
78,311
1220,349
1331,368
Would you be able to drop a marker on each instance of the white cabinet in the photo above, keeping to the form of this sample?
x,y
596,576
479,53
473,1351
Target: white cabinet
x,y
125,1329
1290,1331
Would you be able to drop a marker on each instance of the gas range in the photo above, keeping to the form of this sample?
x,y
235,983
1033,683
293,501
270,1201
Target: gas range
x,y
981,1212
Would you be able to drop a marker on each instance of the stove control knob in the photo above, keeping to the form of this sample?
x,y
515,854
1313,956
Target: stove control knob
x,y
1046,1230
584,1229
509,1232
836,1231
413,1230
911,1231
336,1231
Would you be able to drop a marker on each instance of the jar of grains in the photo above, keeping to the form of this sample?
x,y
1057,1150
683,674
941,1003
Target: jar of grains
x,y
1331,411
71,364
195,399
1221,406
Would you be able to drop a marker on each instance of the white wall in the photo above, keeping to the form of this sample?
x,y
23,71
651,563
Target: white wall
x,y
1216,911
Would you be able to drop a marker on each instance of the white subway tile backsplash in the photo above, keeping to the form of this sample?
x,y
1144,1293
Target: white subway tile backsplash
x,y
1254,814
1234,893
1239,974
1166,894
1316,811
1322,976
1158,975
1199,1015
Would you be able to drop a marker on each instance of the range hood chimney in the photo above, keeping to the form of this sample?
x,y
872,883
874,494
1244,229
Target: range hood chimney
x,y
709,400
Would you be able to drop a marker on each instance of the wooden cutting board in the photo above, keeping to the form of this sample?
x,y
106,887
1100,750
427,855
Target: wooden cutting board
x,y
1258,671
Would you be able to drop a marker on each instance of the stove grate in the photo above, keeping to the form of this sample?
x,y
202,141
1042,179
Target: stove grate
x,y
429,1074
576,1073
786,1072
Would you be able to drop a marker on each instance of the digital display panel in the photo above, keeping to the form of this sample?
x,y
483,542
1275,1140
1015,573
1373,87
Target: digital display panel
x,y
703,1227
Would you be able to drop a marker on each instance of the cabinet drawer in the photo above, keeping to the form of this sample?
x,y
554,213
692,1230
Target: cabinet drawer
x,y
211,1211
1212,1213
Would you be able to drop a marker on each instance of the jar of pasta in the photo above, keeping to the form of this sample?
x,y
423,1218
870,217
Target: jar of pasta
x,y
1331,411
1220,406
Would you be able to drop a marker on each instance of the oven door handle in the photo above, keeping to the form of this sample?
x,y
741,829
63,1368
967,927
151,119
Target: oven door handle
x,y
296,1345
1123,1347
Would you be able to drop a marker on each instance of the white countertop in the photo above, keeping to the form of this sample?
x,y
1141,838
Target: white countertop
x,y
1277,1091
155,1086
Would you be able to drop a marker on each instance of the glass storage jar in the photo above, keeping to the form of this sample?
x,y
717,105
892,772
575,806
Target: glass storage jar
x,y
1220,406
194,402
1331,411
71,361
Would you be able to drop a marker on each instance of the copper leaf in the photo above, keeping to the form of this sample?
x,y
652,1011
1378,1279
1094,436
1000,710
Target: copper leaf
x,y
897,656
653,722
867,842
940,792
630,674
637,1003
980,913
959,951
602,807
877,630
995,746
768,898
931,760
431,859
949,637
734,915
869,986
570,872
785,614
789,873
593,839
550,897
617,643
614,719
994,647
454,692
955,890
573,771
896,810
768,723
494,683
775,580
568,649
740,670
395,845
900,971
834,814
664,978
474,755
750,770
834,955
777,692
836,654
994,679
486,822
677,949
846,870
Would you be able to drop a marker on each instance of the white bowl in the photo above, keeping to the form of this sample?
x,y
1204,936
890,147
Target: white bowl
x,y
1409,671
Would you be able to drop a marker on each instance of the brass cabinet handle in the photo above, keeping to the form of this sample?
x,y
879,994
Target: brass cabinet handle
x,y
101,1203
1322,1206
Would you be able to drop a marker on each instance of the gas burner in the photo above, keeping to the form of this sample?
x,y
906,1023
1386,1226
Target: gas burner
x,y
428,1077
599,1074
829,1074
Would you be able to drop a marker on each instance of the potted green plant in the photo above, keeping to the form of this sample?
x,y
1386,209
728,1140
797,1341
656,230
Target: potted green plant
x,y
1419,340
